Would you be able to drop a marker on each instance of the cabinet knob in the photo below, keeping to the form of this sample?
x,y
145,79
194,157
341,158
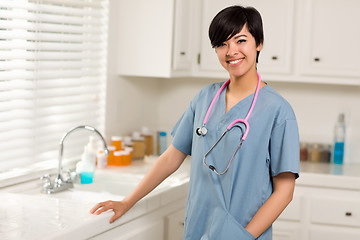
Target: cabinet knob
x,y
274,58
348,214
317,59
182,53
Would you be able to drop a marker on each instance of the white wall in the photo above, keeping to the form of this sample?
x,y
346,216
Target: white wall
x,y
158,103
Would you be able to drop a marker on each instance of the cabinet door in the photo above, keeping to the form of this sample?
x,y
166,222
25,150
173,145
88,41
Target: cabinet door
x,y
277,16
175,225
334,233
181,54
138,229
145,37
331,38
283,230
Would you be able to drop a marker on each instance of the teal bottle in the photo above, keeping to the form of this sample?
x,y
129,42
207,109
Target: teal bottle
x,y
339,140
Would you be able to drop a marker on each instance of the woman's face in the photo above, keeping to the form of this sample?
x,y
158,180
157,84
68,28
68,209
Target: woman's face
x,y
238,54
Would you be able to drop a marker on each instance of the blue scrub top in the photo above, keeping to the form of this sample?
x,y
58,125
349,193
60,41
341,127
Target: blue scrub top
x,y
219,207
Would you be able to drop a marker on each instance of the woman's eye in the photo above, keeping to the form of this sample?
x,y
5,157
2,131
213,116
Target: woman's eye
x,y
241,40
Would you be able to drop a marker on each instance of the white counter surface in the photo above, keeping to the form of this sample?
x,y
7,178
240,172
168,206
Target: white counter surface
x,y
330,175
40,216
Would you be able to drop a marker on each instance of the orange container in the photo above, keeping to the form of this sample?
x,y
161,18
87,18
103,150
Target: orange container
x,y
121,158
117,142
110,157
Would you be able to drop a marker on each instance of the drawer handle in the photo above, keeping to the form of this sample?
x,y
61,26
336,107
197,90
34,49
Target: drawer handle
x,y
317,59
348,214
274,58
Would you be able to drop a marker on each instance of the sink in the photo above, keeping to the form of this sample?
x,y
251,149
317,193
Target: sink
x,y
106,185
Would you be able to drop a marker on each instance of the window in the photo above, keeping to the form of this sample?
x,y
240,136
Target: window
x,y
52,76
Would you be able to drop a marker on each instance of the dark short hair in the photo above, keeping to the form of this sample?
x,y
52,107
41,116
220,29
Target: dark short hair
x,y
229,21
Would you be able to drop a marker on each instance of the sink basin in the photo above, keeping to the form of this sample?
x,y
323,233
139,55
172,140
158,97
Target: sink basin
x,y
106,185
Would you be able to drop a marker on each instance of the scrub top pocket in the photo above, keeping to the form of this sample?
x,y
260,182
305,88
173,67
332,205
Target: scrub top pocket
x,y
225,226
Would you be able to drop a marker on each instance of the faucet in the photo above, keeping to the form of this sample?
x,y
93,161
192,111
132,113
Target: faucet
x,y
59,183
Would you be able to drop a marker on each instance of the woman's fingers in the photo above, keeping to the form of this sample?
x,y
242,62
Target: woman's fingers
x,y
117,207
100,207
116,216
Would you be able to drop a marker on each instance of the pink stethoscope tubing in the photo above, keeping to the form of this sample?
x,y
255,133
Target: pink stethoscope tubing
x,y
202,131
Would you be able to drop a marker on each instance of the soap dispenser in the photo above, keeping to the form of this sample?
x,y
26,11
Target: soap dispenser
x,y
86,166
339,139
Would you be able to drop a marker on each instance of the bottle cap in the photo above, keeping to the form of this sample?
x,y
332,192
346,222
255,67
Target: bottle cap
x,y
119,153
116,138
127,141
137,137
129,149
111,148
145,131
341,117
100,154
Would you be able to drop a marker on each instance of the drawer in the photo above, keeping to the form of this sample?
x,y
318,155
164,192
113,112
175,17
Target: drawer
x,y
293,210
334,233
338,211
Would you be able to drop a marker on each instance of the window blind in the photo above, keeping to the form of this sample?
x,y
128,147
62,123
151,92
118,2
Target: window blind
x,y
52,77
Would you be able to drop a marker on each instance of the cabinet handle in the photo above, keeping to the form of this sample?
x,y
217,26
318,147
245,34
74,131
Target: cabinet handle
x,y
274,58
348,214
182,53
317,59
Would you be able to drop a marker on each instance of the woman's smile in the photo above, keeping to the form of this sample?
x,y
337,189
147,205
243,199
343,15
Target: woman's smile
x,y
235,62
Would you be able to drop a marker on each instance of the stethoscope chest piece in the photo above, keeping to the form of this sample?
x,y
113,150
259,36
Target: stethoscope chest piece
x,y
201,131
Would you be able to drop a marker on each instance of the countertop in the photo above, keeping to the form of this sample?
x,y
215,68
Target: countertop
x,y
40,216
346,176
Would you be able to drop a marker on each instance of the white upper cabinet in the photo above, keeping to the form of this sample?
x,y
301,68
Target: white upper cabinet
x,y
330,36
153,38
278,20
313,41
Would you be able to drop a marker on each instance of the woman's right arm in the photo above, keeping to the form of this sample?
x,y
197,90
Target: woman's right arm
x,y
166,164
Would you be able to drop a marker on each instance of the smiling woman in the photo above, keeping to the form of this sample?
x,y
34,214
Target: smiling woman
x,y
52,76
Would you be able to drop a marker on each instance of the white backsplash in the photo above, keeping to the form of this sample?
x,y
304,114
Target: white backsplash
x,y
158,104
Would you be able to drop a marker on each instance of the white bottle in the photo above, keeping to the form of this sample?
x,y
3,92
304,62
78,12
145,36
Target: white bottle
x,y
101,159
86,166
92,148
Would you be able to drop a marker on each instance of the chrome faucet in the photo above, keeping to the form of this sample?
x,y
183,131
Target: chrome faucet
x,y
61,184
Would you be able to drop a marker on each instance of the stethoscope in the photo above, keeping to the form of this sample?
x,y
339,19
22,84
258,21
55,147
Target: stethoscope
x,y
203,130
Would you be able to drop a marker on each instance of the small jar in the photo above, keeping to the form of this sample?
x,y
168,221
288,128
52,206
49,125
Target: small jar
x,y
148,140
304,152
139,146
130,151
315,153
325,154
